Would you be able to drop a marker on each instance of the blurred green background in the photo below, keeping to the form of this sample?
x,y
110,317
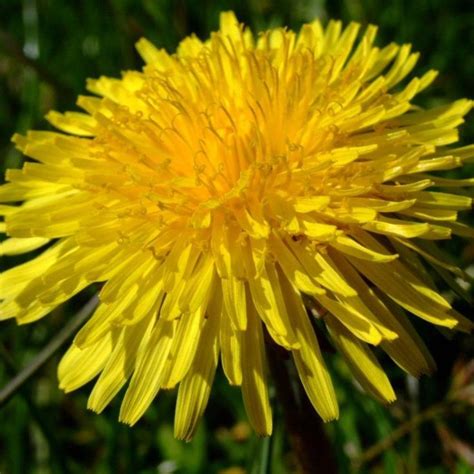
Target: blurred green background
x,y
47,50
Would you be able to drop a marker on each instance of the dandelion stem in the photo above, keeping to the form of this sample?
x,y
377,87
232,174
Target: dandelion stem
x,y
311,446
45,354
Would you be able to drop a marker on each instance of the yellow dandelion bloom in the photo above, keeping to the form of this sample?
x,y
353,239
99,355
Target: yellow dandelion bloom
x,y
223,191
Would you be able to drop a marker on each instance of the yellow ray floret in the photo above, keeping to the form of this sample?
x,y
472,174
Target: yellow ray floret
x,y
227,195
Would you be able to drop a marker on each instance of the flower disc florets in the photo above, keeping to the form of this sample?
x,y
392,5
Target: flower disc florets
x,y
215,189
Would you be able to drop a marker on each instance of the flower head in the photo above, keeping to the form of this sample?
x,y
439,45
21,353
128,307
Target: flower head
x,y
242,186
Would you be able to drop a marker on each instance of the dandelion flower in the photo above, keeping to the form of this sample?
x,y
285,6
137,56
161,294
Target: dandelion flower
x,y
223,191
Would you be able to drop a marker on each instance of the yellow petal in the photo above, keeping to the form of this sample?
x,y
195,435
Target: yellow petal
x,y
16,246
350,247
229,339
267,298
120,364
148,376
309,360
131,271
317,230
254,225
434,255
185,343
153,55
220,247
362,362
442,200
231,350
229,25
408,350
397,227
79,366
198,290
310,204
359,326
320,269
234,298
405,288
104,317
171,308
75,123
254,383
195,388
292,268
176,261
150,300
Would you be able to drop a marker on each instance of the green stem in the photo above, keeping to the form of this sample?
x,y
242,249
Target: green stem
x,y
311,446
